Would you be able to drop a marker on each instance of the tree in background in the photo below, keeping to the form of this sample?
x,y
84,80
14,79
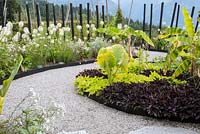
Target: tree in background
x,y
118,19
12,8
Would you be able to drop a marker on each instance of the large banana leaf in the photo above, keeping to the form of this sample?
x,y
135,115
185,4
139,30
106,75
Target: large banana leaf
x,y
7,83
182,67
188,23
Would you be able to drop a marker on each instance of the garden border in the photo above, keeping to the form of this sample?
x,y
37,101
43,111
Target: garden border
x,y
50,67
139,111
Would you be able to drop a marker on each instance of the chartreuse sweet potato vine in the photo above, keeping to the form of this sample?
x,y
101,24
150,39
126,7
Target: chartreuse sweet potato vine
x,y
7,83
94,85
114,62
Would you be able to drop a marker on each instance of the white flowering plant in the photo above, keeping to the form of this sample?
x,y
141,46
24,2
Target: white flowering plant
x,y
31,117
40,48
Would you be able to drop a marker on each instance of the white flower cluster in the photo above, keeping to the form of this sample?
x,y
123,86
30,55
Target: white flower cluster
x,y
46,113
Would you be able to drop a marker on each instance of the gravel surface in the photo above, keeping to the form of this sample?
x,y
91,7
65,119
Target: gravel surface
x,y
81,112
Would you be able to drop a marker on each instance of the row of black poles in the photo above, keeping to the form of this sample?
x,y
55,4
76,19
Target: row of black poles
x,y
176,12
63,17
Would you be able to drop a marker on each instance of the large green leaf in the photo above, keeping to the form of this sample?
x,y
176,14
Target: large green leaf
x,y
188,23
145,37
182,67
7,83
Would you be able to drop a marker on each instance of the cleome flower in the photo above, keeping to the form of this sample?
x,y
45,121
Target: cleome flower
x,y
79,27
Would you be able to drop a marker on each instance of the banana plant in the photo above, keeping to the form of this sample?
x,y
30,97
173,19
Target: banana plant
x,y
7,83
126,33
185,45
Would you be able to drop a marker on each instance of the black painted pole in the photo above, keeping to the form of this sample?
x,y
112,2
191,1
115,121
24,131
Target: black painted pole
x,y
72,20
54,15
29,19
2,14
173,15
97,15
38,14
88,19
103,15
151,19
161,16
197,24
144,18
192,13
81,19
47,16
177,16
63,16
19,13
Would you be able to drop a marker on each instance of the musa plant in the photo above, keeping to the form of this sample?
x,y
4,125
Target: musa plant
x,y
112,60
127,33
185,47
7,83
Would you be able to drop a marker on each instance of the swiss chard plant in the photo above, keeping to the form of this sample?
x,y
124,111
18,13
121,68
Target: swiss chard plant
x,y
113,60
185,47
7,83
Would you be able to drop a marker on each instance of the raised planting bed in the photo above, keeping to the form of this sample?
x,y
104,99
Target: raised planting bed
x,y
139,87
159,98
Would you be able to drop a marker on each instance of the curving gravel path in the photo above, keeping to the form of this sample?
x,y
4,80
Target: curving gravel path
x,y
81,112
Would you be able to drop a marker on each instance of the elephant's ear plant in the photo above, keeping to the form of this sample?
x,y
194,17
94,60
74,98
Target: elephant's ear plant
x,y
7,83
113,60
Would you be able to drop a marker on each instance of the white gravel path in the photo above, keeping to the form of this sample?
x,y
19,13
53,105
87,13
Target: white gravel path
x,y
81,112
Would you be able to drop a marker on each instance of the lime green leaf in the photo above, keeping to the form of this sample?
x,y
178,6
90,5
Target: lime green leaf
x,y
145,37
188,23
7,83
182,67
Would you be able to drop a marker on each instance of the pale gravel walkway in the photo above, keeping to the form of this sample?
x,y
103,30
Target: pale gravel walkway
x,y
82,113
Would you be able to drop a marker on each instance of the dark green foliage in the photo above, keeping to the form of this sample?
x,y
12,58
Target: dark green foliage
x,y
118,19
12,9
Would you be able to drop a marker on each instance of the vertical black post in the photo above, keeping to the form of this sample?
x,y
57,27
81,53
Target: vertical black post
x,y
29,19
2,14
197,24
81,19
103,15
38,14
54,15
97,16
161,16
19,13
151,18
88,19
144,18
177,16
192,13
103,18
72,20
47,16
173,15
63,16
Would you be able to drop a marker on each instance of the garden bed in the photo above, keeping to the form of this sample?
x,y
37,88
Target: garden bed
x,y
159,98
